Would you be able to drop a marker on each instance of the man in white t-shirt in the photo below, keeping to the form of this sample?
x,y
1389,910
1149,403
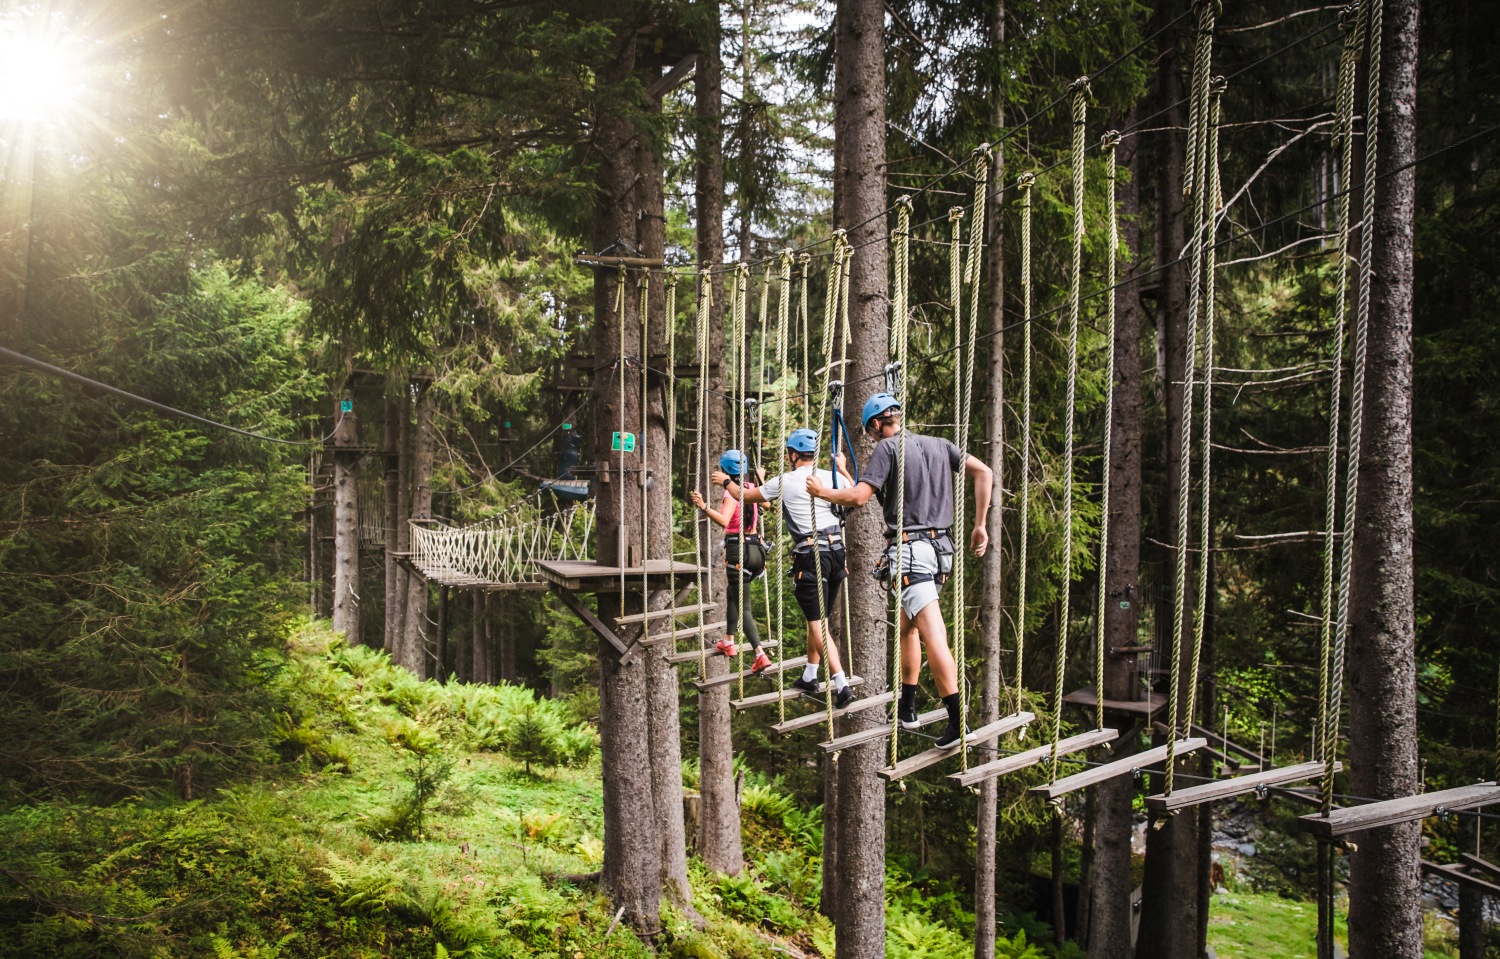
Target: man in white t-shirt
x,y
818,561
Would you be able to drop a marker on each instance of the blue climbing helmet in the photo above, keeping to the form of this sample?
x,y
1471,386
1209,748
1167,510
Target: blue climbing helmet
x,y
803,441
876,405
733,462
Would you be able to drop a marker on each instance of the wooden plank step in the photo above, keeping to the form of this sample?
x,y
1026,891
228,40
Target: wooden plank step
x,y
1238,786
1483,866
1153,703
665,611
656,639
878,732
767,699
1120,767
691,656
1342,822
1039,754
1456,873
937,754
821,716
796,662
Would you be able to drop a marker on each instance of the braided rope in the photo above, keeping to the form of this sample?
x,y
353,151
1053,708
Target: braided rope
x,y
1345,120
1075,296
1211,201
783,322
620,535
741,303
643,309
836,265
899,307
971,273
1196,150
670,403
1375,24
1110,141
705,306
961,440
1024,184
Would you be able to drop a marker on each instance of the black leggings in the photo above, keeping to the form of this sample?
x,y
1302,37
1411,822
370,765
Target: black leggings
x,y
741,619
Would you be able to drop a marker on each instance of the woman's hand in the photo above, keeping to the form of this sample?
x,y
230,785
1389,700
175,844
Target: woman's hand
x,y
697,498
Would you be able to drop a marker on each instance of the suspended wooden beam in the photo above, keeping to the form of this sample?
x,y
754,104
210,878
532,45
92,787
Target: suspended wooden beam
x,y
663,613
1483,866
796,662
1352,819
1153,703
1108,771
876,733
1039,754
683,632
821,716
937,754
1455,873
588,259
1257,782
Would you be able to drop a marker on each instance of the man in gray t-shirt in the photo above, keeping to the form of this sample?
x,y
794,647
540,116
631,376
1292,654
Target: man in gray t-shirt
x,y
920,553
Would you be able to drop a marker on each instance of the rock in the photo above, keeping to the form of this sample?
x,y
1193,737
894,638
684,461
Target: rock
x,y
1246,849
1218,890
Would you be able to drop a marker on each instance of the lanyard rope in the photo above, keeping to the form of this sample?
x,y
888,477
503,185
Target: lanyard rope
x,y
1193,174
1075,294
1111,142
1024,183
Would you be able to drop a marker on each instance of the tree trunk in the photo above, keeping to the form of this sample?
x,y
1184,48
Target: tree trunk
x,y
1169,907
394,409
859,190
403,528
1109,912
1385,917
440,654
632,871
719,843
479,646
992,568
345,527
413,652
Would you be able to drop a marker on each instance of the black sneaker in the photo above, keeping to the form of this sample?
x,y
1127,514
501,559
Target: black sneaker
x,y
950,736
809,686
907,713
843,697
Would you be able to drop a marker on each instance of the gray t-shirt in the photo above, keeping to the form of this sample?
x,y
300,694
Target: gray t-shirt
x,y
930,465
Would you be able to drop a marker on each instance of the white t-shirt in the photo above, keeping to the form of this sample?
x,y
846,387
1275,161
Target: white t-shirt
x,y
791,490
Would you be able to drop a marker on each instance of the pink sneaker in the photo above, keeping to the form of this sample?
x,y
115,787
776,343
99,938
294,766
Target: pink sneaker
x,y
726,647
762,663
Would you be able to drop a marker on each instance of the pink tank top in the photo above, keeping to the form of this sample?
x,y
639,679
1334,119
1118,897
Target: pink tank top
x,y
734,517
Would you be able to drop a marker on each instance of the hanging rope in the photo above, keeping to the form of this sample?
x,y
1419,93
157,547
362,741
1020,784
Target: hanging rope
x,y
1211,201
1345,120
700,560
1024,183
830,322
1374,25
1195,171
783,321
620,520
643,308
1075,296
1110,142
740,305
960,439
971,276
670,402
896,386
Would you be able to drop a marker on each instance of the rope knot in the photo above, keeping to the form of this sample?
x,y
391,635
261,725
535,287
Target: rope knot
x,y
983,152
1110,139
1208,10
904,200
1081,85
955,213
1025,181
1218,85
1349,16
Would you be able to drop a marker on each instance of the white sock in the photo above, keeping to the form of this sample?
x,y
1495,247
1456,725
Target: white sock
x,y
839,682
810,673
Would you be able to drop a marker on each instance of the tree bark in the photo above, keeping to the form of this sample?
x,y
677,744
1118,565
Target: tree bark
x,y
1169,907
413,651
479,647
719,842
632,870
1385,917
992,568
1109,912
345,527
403,511
859,190
394,587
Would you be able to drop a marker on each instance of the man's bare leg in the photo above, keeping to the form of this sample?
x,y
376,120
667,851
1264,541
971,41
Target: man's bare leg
x,y
932,631
815,648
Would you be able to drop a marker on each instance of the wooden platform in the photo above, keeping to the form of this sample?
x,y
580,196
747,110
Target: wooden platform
x,y
1238,786
821,716
1031,757
590,577
1352,819
937,754
1120,767
1152,704
878,732
796,662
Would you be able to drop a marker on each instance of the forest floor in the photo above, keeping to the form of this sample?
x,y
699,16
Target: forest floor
x,y
399,819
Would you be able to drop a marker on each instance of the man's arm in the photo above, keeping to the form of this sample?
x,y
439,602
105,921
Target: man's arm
x,y
857,495
751,495
984,482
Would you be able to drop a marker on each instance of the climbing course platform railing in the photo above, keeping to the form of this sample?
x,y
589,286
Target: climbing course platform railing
x,y
502,552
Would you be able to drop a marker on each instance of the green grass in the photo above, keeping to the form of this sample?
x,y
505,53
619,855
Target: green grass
x,y
1253,925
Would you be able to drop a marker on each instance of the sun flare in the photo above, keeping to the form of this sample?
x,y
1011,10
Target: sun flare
x,y
38,78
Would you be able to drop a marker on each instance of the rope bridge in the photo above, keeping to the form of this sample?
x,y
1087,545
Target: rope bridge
x,y
502,552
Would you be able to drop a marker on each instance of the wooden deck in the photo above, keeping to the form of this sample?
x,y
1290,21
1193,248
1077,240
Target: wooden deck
x,y
590,577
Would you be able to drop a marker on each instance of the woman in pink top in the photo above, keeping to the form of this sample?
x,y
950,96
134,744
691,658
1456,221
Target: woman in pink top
x,y
744,557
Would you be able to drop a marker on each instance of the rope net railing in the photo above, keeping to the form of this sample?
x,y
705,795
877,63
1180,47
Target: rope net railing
x,y
489,553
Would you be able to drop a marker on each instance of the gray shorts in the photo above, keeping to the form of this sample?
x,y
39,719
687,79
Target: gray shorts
x,y
920,556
